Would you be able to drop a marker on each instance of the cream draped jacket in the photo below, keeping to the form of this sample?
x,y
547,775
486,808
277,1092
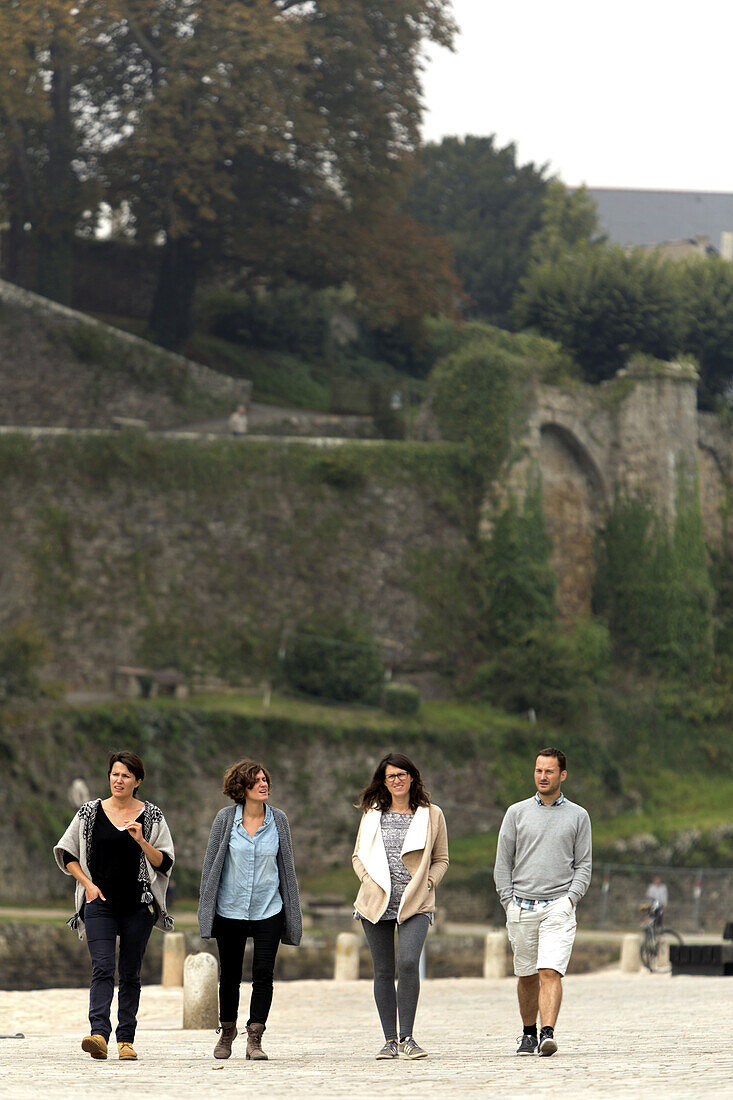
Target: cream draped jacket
x,y
424,854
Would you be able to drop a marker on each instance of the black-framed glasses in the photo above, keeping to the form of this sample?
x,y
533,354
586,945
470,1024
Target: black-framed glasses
x,y
395,776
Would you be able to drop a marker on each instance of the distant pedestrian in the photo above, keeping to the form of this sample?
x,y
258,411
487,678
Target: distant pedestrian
x,y
657,898
401,855
238,421
248,891
120,852
542,870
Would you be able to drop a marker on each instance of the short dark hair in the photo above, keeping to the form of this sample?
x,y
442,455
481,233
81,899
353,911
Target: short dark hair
x,y
376,796
132,762
558,754
241,777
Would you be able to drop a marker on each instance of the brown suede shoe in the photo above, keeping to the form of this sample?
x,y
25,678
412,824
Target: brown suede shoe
x,y
96,1045
254,1043
126,1052
228,1033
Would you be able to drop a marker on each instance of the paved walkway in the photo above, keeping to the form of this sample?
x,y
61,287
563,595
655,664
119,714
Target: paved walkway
x,y
620,1036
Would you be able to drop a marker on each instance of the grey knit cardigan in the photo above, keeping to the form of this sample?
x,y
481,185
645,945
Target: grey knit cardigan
x,y
216,851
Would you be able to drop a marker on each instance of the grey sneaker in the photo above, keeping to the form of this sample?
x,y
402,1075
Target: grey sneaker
x,y
389,1050
527,1044
410,1049
548,1045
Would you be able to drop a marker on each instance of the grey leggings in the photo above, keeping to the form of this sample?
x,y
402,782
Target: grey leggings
x,y
410,939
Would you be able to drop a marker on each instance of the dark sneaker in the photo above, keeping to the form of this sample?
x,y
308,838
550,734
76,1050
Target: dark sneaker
x,y
389,1050
527,1044
548,1045
410,1049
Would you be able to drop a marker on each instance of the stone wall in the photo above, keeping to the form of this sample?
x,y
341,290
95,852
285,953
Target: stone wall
x,y
109,540
65,369
641,431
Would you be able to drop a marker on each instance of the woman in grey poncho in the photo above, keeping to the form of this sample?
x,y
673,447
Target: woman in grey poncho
x,y
120,852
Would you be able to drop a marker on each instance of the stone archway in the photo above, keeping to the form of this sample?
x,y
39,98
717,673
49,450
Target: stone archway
x,y
574,495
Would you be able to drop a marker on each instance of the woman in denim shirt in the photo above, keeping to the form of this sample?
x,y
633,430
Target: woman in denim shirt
x,y
248,889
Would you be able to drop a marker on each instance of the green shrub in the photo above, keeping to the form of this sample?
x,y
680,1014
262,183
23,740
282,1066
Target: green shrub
x,y
593,648
22,652
653,585
293,318
401,699
539,672
337,662
339,469
478,396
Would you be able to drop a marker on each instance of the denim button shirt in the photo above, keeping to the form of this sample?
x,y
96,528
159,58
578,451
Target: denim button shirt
x,y
249,888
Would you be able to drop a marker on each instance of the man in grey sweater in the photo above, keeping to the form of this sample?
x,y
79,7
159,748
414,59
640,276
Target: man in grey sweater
x,y
542,870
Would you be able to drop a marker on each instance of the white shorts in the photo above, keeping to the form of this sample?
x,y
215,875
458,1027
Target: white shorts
x,y
542,938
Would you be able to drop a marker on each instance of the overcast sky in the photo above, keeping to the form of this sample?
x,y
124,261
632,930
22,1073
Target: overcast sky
x,y
635,93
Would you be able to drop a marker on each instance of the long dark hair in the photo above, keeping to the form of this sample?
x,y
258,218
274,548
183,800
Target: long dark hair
x,y
377,797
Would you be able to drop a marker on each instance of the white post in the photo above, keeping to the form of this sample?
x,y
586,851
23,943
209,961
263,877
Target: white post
x,y
630,958
495,955
346,962
174,956
200,992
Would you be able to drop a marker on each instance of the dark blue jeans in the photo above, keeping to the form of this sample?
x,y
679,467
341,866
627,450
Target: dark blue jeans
x,y
231,939
103,925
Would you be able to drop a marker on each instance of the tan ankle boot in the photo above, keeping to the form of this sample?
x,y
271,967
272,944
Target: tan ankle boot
x,y
96,1045
228,1033
127,1052
254,1043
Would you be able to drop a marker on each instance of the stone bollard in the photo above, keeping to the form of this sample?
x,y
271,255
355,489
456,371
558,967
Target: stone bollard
x,y
346,964
495,955
630,958
174,956
200,993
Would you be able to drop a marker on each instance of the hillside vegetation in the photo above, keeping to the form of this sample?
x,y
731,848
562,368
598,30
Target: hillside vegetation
x,y
475,759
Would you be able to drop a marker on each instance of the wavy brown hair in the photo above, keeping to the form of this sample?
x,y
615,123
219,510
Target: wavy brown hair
x,y
377,797
241,777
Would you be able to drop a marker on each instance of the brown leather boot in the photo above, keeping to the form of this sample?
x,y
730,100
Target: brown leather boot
x,y
227,1034
254,1043
96,1045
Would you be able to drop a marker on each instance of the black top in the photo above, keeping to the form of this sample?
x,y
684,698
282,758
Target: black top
x,y
114,863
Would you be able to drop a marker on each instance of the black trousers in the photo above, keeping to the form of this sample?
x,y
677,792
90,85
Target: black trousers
x,y
231,938
103,924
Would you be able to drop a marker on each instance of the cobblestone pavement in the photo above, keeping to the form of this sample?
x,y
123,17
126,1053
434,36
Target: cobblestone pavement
x,y
619,1035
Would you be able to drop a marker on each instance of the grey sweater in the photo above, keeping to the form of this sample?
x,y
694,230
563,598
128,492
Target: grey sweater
x,y
543,852
216,851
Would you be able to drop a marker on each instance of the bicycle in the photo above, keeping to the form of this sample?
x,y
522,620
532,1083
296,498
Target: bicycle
x,y
657,941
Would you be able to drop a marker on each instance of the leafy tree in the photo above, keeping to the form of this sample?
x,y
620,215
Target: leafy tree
x,y
569,219
706,288
253,131
602,304
489,208
316,102
51,123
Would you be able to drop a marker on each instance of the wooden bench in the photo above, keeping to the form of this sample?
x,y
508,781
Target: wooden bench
x,y
147,683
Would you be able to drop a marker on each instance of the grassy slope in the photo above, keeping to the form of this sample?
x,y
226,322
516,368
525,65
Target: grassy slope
x,y
676,799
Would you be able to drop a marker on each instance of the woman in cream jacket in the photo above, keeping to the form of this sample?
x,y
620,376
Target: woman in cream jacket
x,y
401,855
